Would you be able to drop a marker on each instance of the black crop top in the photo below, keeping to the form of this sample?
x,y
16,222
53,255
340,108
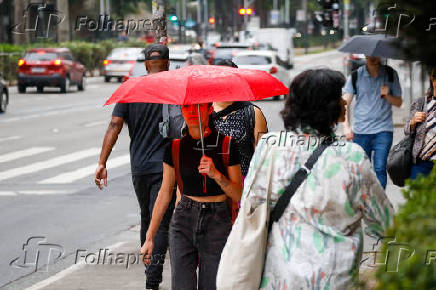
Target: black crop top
x,y
190,155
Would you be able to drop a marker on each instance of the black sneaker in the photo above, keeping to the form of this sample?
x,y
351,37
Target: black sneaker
x,y
152,285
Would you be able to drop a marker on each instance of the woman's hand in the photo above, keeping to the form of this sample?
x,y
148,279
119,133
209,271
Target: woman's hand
x,y
146,251
419,117
207,167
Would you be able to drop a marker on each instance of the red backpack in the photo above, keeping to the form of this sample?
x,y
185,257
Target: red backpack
x,y
175,150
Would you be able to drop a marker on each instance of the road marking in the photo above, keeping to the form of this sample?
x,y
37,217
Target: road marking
x,y
7,193
97,123
54,162
24,153
64,273
44,192
72,176
10,138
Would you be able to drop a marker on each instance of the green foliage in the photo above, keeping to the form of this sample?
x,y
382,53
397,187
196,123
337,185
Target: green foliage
x,y
414,225
89,54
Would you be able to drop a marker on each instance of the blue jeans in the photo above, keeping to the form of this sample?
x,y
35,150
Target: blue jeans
x,y
380,144
421,167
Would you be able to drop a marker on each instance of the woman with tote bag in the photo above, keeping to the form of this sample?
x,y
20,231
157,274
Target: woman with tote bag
x,y
316,239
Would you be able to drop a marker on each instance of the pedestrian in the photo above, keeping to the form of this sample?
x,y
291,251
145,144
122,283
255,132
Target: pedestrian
x,y
422,123
146,155
377,89
319,241
243,121
202,220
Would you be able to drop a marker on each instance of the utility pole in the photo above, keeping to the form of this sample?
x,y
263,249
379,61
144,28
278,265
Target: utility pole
x,y
306,43
206,19
159,23
287,13
346,11
63,28
199,32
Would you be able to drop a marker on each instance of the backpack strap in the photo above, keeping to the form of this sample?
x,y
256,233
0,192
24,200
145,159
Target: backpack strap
x,y
234,206
295,183
175,151
390,72
354,81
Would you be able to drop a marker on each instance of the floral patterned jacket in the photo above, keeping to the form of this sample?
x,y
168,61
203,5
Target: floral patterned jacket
x,y
318,242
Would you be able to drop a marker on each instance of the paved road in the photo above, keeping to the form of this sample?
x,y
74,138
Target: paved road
x,y
49,146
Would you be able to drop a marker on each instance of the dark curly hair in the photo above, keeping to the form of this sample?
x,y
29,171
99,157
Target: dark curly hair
x,y
314,101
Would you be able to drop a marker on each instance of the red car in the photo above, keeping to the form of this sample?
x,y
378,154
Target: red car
x,y
50,67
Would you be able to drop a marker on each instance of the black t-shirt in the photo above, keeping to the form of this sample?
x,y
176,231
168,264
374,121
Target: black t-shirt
x,y
147,146
190,155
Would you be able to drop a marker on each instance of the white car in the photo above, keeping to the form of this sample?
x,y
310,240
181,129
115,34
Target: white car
x,y
266,60
120,62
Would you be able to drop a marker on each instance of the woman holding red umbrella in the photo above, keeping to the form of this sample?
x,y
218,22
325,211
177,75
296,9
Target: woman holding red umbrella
x,y
202,219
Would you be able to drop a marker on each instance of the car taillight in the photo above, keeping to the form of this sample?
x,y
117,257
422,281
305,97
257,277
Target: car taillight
x,y
106,62
125,78
131,61
273,70
57,62
21,62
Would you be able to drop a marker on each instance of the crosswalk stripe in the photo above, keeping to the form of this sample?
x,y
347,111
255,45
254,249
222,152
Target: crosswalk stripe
x,y
10,138
70,177
7,193
44,192
54,162
24,153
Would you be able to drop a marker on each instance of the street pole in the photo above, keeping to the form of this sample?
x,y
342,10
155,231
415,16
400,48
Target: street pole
x,y
245,15
199,32
159,20
287,13
184,19
101,7
346,10
306,44
206,20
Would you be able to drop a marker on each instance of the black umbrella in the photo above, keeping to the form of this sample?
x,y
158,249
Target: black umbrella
x,y
374,45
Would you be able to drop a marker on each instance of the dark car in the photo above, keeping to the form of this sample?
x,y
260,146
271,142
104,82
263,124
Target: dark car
x,y
4,94
50,67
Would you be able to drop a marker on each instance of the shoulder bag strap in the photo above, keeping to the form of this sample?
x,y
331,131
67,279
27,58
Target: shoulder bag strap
x,y
296,181
175,151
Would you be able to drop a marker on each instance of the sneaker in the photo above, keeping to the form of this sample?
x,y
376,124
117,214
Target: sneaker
x,y
152,285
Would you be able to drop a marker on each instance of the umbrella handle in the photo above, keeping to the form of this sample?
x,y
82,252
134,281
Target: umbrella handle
x,y
201,129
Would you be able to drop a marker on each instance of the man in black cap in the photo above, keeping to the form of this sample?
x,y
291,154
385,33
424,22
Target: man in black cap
x,y
146,157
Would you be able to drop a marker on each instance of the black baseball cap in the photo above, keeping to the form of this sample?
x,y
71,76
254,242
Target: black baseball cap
x,y
164,53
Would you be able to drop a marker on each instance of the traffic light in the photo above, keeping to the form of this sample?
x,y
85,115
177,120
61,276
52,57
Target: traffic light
x,y
211,20
248,11
173,18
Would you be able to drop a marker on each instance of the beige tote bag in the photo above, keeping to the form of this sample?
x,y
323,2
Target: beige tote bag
x,y
243,256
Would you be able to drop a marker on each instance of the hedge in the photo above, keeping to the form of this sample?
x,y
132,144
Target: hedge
x,y
414,228
89,54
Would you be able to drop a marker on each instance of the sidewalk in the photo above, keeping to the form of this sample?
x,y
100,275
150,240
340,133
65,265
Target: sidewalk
x,y
109,276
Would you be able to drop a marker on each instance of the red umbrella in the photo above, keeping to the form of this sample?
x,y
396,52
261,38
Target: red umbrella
x,y
197,84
